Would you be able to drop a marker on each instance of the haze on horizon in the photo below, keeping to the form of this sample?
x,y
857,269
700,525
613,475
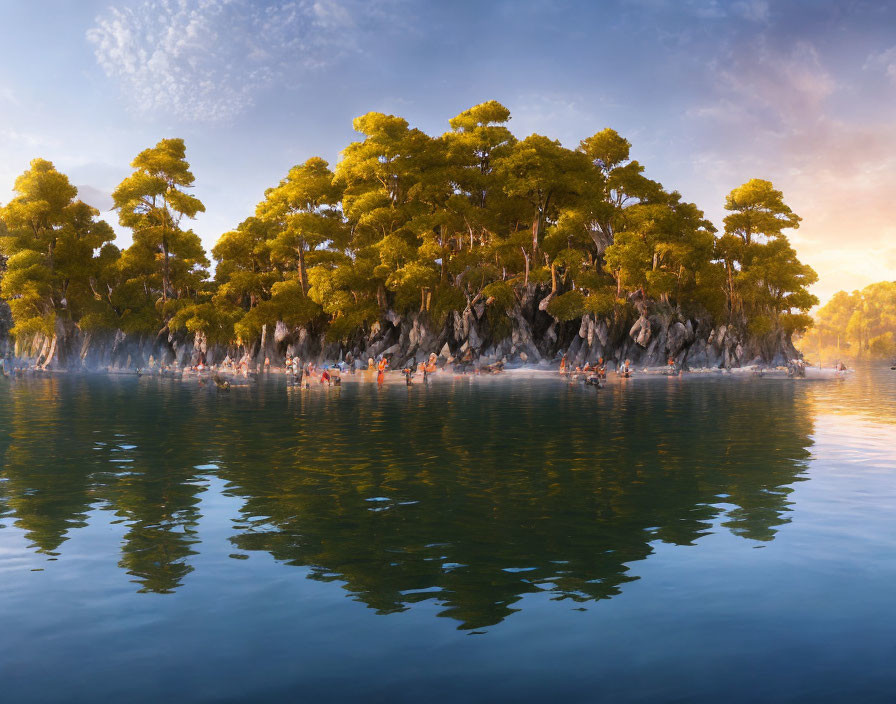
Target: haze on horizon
x,y
710,94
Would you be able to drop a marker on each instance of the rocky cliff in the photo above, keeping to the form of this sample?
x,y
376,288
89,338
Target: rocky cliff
x,y
646,332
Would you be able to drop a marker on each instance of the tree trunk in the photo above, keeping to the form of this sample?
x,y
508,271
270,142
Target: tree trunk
x,y
526,258
730,292
442,245
166,273
303,277
50,353
536,231
264,342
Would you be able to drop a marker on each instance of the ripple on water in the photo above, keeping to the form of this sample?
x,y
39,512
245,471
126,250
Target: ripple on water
x,y
494,508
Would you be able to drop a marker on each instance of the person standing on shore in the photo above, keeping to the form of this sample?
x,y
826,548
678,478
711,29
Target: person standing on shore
x,y
381,370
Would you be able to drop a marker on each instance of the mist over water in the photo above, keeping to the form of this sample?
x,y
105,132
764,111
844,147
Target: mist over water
x,y
487,539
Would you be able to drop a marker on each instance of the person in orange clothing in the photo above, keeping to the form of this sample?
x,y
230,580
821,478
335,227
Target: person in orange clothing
x,y
429,367
381,370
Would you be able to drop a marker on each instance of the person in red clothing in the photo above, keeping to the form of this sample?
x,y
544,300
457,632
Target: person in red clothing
x,y
381,370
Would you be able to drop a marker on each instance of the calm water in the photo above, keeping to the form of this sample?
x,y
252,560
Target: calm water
x,y
695,540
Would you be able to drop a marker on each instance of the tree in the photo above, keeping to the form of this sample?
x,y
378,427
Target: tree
x,y
50,239
545,175
380,176
411,224
619,187
305,211
758,210
863,321
153,201
766,282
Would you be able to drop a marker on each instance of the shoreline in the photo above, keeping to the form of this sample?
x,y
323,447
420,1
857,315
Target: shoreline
x,y
443,375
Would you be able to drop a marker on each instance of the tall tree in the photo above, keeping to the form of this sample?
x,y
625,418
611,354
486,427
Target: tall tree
x,y
50,239
620,186
304,208
379,176
547,176
758,210
766,280
153,201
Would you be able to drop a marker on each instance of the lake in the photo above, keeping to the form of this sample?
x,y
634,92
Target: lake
x,y
509,539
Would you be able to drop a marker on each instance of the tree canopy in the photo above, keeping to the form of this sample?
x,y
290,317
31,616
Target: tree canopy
x,y
51,241
405,222
861,323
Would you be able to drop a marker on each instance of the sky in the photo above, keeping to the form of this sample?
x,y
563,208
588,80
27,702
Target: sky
x,y
709,93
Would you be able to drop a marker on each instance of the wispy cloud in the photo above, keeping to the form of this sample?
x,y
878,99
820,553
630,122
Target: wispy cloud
x,y
780,89
885,61
8,96
207,60
754,10
774,116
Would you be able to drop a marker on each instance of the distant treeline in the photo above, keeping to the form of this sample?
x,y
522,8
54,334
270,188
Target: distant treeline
x,y
861,323
406,222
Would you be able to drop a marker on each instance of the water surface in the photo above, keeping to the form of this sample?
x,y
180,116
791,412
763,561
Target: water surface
x,y
698,540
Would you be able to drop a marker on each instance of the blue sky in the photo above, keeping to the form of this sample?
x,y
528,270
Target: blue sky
x,y
710,93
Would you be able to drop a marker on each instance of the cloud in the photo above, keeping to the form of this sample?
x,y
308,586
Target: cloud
x,y
98,198
8,96
207,60
754,10
775,116
27,139
781,89
885,60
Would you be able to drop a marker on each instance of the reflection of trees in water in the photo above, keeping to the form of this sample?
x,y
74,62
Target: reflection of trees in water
x,y
486,497
157,495
68,450
46,488
473,496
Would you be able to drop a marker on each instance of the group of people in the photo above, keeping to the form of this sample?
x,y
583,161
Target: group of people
x,y
425,368
595,375
304,375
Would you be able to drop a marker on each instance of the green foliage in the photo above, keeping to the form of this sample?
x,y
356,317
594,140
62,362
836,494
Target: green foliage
x,y
760,325
600,304
49,239
409,223
862,322
763,278
567,306
215,321
445,300
167,260
499,294
795,322
757,209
